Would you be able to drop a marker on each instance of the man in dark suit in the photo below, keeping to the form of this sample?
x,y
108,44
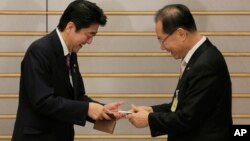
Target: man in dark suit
x,y
201,107
52,96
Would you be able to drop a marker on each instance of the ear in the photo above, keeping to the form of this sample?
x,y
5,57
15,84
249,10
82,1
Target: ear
x,y
182,33
70,27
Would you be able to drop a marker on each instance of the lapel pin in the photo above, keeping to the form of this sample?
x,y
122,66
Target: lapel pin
x,y
74,67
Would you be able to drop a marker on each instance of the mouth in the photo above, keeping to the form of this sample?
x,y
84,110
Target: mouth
x,y
168,51
171,53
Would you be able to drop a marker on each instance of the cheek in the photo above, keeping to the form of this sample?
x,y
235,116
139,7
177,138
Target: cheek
x,y
80,38
175,46
169,46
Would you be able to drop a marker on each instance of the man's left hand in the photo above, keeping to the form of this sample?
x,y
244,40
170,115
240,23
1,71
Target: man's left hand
x,y
139,118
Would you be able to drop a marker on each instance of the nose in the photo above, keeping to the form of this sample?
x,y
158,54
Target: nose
x,y
162,47
89,41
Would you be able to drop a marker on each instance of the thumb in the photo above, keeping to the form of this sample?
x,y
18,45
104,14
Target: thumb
x,y
119,103
134,108
106,110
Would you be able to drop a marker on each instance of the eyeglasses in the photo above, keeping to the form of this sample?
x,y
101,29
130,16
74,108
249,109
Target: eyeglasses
x,y
161,41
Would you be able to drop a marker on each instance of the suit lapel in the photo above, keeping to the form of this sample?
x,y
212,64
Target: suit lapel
x,y
62,69
192,61
74,72
78,84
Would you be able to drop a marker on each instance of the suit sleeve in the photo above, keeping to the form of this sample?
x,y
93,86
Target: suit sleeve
x,y
40,90
201,89
162,107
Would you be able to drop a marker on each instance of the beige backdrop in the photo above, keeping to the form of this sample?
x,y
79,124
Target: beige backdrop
x,y
125,61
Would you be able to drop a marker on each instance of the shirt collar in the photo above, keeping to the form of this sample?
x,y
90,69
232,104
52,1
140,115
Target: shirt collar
x,y
65,48
193,49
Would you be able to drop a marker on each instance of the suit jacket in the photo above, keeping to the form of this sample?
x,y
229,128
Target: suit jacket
x,y
204,101
48,104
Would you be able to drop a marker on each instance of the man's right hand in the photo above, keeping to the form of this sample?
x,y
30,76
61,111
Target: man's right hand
x,y
95,110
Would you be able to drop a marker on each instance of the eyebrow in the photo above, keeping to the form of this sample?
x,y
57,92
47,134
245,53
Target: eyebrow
x,y
93,33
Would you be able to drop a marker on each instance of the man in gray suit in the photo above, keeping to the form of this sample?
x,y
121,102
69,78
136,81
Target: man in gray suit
x,y
201,107
52,96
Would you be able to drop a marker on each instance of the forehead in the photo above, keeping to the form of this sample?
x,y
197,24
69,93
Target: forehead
x,y
159,28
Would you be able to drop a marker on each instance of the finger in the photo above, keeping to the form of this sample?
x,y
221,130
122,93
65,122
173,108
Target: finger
x,y
131,110
129,116
100,118
107,111
108,114
105,116
119,103
134,108
118,115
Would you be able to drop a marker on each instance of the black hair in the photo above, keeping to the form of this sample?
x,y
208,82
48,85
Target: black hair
x,y
83,14
175,16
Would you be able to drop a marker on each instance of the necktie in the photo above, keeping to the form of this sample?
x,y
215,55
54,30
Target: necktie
x,y
73,62
183,66
68,61
75,74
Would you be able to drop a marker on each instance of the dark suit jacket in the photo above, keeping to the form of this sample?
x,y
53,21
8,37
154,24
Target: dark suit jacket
x,y
204,101
48,105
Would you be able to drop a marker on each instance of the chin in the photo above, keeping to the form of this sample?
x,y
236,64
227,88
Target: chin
x,y
76,50
176,57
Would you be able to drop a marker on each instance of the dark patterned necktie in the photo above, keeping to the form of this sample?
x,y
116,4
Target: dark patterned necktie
x,y
68,61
